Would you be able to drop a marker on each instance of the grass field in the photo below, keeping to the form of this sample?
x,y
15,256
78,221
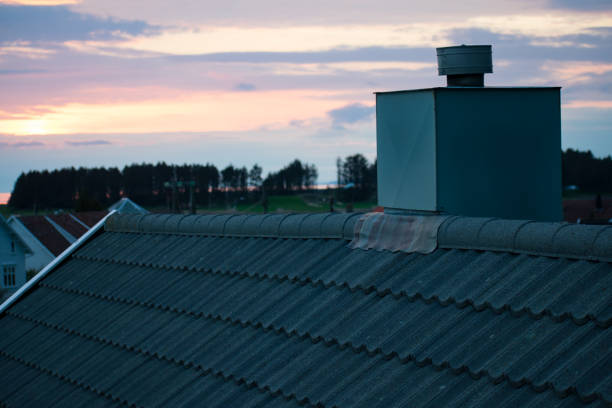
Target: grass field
x,y
292,203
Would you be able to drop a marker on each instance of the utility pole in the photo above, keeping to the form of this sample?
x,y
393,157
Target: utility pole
x,y
191,184
174,184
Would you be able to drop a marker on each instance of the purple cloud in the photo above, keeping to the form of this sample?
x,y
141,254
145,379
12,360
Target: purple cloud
x,y
87,142
59,23
21,144
243,86
355,112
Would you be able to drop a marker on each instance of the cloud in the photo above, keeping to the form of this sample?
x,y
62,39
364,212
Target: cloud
x,y
21,144
87,142
243,86
59,23
582,5
378,53
21,71
353,113
595,45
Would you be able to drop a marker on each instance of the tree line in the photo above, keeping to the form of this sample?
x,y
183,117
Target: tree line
x,y
155,185
587,172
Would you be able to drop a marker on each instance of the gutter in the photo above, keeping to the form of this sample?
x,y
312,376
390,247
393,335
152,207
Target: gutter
x,y
54,263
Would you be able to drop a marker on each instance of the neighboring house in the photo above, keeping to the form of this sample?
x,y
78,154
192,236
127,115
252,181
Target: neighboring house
x,y
127,206
49,235
588,211
12,258
281,310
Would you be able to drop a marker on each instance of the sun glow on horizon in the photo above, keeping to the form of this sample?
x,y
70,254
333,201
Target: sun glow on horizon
x,y
196,112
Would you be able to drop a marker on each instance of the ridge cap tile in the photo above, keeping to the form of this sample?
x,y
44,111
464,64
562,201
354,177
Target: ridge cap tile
x,y
269,227
334,225
348,229
233,226
172,223
217,224
602,246
290,226
252,224
188,221
203,222
552,239
311,227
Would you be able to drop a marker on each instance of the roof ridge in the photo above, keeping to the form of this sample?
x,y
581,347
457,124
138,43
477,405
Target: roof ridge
x,y
550,239
291,225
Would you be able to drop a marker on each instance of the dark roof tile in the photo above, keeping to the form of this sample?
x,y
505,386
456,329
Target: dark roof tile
x,y
218,318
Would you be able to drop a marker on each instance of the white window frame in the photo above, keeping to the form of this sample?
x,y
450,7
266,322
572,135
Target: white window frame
x,y
9,272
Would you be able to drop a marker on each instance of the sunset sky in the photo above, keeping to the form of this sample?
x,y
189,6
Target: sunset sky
x,y
112,82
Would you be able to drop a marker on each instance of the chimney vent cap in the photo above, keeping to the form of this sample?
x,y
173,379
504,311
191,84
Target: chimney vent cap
x,y
464,60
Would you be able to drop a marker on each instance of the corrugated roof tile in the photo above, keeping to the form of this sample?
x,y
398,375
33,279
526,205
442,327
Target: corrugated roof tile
x,y
187,315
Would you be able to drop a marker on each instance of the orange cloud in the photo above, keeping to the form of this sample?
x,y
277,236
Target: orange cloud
x,y
195,112
589,104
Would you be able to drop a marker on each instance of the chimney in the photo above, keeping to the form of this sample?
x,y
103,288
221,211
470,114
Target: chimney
x,y
467,149
465,65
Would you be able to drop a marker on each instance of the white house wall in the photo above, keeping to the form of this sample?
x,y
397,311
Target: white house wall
x,y
8,256
41,256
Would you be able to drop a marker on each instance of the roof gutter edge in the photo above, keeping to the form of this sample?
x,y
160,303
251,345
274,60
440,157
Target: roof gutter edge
x,y
55,262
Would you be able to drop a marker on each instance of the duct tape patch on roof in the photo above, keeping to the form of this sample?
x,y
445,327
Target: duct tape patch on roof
x,y
406,233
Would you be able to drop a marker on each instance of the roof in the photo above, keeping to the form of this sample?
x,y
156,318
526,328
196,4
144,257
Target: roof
x,y
277,310
127,206
50,230
586,211
14,235
45,232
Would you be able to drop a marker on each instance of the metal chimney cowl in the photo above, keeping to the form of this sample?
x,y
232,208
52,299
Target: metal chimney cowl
x,y
470,150
465,65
